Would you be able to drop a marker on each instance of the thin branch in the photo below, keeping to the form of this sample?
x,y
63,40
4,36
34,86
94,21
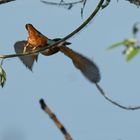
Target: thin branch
x,y
55,120
69,4
114,102
86,22
62,3
136,2
82,9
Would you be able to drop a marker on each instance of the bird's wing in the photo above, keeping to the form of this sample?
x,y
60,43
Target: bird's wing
x,y
28,61
85,65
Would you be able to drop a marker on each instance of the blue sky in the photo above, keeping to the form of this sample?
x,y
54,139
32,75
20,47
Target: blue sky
x,y
75,101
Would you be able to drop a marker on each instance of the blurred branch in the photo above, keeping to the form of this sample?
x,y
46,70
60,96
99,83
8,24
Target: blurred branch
x,y
55,120
62,3
68,4
5,1
82,9
136,2
114,102
86,22
135,29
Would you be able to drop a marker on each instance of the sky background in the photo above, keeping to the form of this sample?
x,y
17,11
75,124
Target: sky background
x,y
76,102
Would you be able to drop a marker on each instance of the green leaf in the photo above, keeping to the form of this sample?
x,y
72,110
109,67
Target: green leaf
x,y
116,45
130,42
132,54
127,42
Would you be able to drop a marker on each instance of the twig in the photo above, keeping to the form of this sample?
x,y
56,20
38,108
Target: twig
x,y
86,22
55,120
82,9
136,2
114,102
135,29
69,4
62,3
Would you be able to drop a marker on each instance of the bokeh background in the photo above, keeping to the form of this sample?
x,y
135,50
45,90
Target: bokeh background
x,y
75,101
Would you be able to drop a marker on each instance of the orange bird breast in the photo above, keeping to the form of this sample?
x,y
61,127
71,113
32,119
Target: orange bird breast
x,y
35,39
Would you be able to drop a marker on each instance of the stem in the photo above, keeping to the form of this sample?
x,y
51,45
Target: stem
x,y
61,4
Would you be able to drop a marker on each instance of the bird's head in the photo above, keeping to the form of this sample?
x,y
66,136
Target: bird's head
x,y
28,26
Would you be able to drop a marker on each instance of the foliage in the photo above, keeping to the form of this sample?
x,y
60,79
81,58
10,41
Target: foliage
x,y
132,45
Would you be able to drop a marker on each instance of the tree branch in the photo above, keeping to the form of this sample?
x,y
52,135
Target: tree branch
x,y
62,3
55,120
136,2
68,4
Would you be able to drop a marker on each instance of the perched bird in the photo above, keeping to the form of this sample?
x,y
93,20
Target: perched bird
x,y
36,40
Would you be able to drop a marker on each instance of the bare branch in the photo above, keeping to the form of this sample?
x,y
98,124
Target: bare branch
x,y
82,9
114,102
55,120
136,2
68,4
62,3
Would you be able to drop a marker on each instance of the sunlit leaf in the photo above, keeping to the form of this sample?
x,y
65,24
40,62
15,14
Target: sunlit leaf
x,y
116,45
132,53
127,42
2,76
130,42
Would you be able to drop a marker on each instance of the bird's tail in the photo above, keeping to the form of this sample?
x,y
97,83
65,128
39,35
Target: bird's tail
x,y
28,61
85,65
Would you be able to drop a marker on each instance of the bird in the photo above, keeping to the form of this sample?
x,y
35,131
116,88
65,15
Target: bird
x,y
37,40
